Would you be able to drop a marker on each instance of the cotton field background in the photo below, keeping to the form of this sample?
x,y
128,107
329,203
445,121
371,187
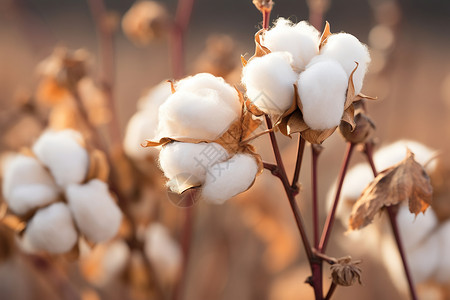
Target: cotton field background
x,y
87,213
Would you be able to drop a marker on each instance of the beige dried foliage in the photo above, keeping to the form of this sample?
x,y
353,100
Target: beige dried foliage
x,y
218,57
362,130
346,272
146,21
260,50
406,180
440,180
98,166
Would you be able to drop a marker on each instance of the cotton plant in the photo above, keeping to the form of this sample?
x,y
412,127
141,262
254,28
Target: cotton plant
x,y
58,189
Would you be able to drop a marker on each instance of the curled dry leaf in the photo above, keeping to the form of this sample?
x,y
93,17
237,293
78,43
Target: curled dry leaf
x,y
405,181
260,50
362,130
325,34
346,272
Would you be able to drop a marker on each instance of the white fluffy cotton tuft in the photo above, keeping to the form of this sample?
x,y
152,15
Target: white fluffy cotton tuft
x,y
269,81
322,89
163,252
62,153
186,164
195,115
442,273
27,184
346,49
301,40
95,212
51,229
227,179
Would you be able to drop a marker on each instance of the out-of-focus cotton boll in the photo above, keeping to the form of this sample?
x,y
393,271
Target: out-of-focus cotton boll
x,y
205,81
62,153
229,178
186,164
269,81
27,184
346,49
95,212
301,40
155,97
142,125
442,273
163,252
424,259
190,115
51,229
322,88
396,152
414,230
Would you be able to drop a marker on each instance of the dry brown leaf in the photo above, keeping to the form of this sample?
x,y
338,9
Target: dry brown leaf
x,y
260,50
405,181
296,123
317,136
326,33
359,133
350,98
349,117
98,166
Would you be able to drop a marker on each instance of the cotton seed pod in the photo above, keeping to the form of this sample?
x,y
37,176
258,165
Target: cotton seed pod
x,y
347,49
363,129
346,272
229,178
190,115
322,88
96,214
269,81
51,229
415,229
163,252
203,82
27,184
442,273
62,153
186,164
301,40
146,21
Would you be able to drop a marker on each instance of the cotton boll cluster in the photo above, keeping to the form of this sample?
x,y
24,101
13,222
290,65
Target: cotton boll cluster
x,y
144,123
49,192
203,107
323,68
163,252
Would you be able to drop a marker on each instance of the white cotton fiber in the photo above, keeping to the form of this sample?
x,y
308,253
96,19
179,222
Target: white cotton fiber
x,y
442,273
156,96
347,49
63,154
95,212
394,153
322,88
301,40
142,125
163,252
424,259
27,184
229,178
269,81
51,229
186,164
415,230
203,82
195,115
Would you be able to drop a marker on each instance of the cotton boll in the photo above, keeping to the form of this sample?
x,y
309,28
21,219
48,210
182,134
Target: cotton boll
x,y
442,274
269,81
27,185
95,212
142,125
414,230
190,115
62,153
322,89
186,164
229,178
394,153
424,259
155,97
346,49
204,81
51,229
301,40
163,252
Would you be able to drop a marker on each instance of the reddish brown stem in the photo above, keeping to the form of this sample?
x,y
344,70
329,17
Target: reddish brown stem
x,y
331,216
266,18
315,201
392,213
180,26
298,163
331,290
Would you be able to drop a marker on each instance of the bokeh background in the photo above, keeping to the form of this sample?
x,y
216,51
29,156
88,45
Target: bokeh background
x,y
249,247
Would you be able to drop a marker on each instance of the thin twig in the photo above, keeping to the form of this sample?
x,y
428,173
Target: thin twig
x,y
298,163
368,150
331,290
331,215
315,156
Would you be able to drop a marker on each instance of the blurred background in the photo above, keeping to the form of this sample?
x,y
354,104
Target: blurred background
x,y
247,248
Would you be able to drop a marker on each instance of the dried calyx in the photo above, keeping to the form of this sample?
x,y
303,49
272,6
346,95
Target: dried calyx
x,y
364,126
346,272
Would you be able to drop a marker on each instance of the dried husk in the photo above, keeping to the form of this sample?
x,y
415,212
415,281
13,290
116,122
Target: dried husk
x,y
406,180
260,50
346,272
